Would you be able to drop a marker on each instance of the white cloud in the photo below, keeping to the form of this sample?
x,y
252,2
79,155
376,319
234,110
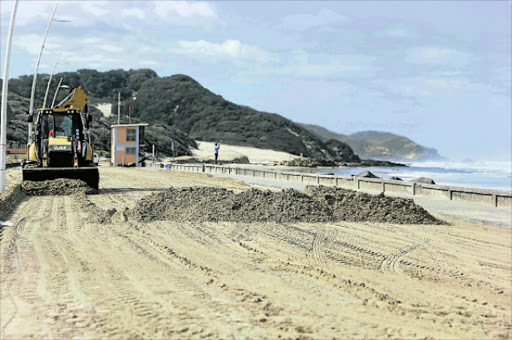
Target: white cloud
x,y
150,63
300,64
397,32
319,70
109,48
91,40
89,13
232,50
96,8
150,49
435,55
303,22
32,14
31,43
133,12
297,64
90,52
184,9
27,12
433,86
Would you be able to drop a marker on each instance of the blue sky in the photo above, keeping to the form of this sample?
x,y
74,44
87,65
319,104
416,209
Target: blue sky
x,y
438,72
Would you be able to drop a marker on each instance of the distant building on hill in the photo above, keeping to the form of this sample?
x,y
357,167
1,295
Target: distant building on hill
x,y
126,142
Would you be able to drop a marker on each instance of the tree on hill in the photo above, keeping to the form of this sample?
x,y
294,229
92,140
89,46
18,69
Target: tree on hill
x,y
182,102
178,108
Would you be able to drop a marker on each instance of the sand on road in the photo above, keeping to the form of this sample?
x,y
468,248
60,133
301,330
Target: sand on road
x,y
64,275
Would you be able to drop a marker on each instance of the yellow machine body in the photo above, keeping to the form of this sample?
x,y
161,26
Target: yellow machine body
x,y
61,143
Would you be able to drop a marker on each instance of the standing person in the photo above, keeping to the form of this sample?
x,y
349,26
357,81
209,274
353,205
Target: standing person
x,y
216,151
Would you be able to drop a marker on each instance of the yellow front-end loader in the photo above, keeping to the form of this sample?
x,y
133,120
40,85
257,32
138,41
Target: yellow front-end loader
x,y
61,143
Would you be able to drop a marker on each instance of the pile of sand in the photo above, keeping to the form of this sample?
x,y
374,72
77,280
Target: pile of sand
x,y
350,205
9,199
316,204
218,204
60,186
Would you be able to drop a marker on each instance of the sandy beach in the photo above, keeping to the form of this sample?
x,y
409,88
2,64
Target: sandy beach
x,y
227,152
304,170
65,275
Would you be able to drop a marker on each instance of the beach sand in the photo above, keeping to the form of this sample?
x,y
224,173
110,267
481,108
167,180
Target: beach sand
x,y
64,275
230,152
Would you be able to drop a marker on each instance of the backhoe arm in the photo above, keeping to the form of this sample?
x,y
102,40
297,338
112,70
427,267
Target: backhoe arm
x,y
77,99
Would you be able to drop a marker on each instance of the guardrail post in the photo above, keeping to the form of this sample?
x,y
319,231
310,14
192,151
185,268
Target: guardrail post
x,y
383,186
495,200
414,188
302,178
317,179
450,194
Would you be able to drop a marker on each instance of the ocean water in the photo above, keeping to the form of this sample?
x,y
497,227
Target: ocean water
x,y
486,175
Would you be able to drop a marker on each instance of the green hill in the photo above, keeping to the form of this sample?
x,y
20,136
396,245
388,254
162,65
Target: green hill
x,y
379,145
180,110
177,108
181,102
101,87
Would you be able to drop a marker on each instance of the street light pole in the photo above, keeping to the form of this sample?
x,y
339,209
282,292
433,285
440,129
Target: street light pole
x,y
50,81
56,91
34,81
3,129
118,108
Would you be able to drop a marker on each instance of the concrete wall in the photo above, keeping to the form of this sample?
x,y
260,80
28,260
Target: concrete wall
x,y
500,199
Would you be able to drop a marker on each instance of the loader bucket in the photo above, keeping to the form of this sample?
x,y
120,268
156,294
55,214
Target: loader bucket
x,y
89,175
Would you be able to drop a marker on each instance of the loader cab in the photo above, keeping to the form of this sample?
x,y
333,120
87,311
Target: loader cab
x,y
60,138
65,123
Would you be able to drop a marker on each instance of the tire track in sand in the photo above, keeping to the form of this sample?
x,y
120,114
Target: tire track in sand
x,y
23,287
323,238
213,291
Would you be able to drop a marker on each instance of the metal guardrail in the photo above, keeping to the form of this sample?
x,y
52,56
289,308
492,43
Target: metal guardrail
x,y
495,197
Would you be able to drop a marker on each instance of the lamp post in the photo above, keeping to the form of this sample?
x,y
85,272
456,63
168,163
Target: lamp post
x,y
50,81
57,91
3,129
34,81
118,108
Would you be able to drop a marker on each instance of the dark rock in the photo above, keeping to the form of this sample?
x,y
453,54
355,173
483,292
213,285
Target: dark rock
x,y
309,163
366,174
238,160
372,162
342,151
423,180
